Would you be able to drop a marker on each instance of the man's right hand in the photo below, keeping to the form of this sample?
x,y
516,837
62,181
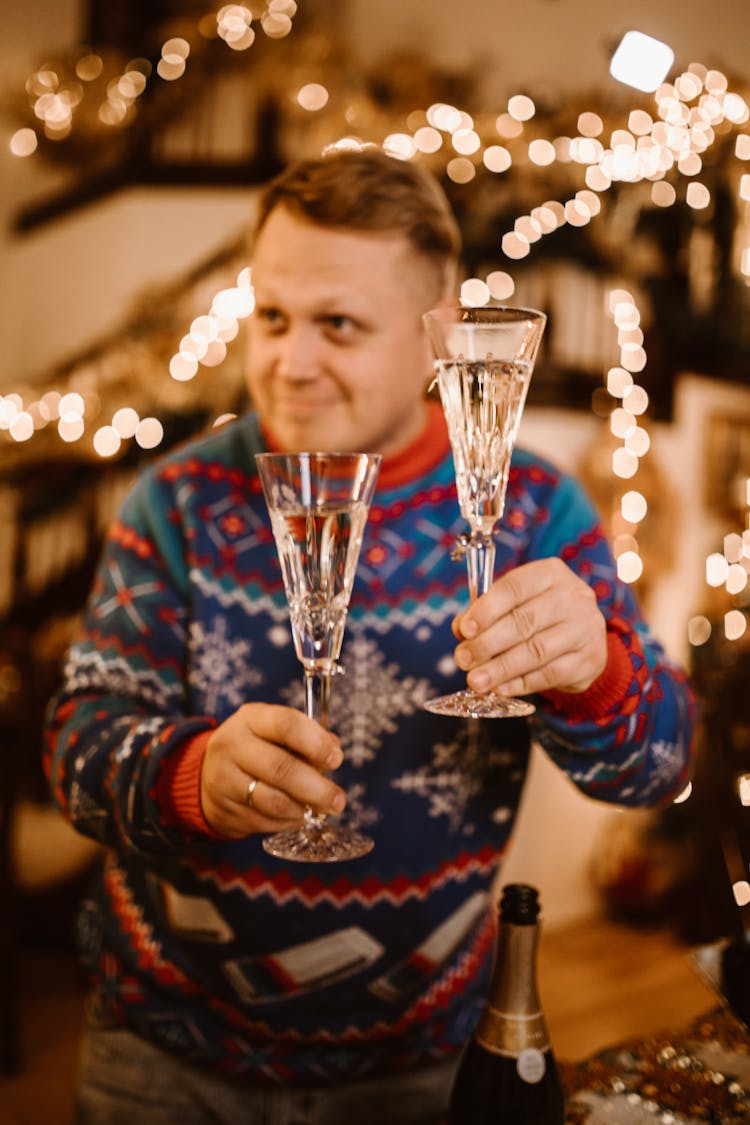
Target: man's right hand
x,y
286,753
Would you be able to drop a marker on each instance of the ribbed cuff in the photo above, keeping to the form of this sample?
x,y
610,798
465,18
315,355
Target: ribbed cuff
x,y
607,691
178,790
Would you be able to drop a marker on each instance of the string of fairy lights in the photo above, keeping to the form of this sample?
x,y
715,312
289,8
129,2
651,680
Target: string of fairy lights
x,y
57,96
660,147
727,568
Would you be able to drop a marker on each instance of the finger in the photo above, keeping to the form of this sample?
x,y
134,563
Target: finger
x,y
557,657
513,664
288,727
263,799
229,813
564,674
508,591
502,634
289,776
237,751
270,811
561,597
279,805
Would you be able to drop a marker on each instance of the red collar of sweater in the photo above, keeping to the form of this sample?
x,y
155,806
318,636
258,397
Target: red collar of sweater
x,y
419,457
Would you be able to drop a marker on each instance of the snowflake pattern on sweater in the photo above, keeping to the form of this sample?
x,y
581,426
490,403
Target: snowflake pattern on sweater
x,y
311,972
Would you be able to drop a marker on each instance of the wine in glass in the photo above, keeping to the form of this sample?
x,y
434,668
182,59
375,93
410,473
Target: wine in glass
x,y
318,504
483,363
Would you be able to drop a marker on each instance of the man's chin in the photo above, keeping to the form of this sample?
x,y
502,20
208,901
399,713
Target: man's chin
x,y
309,435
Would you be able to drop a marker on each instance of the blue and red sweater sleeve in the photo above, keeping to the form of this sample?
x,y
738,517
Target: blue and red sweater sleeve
x,y
629,738
122,713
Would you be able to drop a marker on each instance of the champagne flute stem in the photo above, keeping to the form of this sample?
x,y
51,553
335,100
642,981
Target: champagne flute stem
x,y
480,562
317,697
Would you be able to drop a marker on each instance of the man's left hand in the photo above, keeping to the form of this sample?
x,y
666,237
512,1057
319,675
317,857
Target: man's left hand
x,y
538,628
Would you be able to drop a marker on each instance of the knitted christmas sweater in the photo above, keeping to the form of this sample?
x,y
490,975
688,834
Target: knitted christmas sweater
x,y
286,971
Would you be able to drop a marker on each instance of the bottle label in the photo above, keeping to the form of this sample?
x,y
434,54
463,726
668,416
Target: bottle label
x,y
504,1034
531,1065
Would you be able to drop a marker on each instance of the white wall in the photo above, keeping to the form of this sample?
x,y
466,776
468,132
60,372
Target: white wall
x,y
75,281
548,47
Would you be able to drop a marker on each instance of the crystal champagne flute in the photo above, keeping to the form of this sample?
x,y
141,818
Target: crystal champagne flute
x,y
483,363
318,504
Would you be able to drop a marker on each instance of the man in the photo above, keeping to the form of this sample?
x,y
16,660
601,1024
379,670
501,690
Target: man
x,y
228,985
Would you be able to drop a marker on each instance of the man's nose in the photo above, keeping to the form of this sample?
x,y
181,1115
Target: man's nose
x,y
299,354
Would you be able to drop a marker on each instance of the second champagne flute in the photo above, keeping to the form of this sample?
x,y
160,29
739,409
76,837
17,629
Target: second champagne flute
x,y
318,503
483,363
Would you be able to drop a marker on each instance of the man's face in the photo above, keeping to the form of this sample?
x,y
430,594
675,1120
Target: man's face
x,y
337,356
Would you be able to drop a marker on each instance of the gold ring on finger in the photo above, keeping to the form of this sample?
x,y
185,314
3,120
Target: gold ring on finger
x,y
250,791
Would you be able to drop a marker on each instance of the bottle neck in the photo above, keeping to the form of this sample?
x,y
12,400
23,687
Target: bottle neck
x,y
513,1021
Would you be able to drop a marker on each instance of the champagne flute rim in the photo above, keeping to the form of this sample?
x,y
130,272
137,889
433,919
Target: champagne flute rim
x,y
519,312
333,455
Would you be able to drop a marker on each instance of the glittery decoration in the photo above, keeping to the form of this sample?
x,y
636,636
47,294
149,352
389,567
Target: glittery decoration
x,y
696,1075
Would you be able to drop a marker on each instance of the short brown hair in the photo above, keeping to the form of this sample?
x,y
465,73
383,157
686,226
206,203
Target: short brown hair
x,y
367,190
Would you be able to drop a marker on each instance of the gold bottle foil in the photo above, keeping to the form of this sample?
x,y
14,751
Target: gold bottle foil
x,y
503,1034
513,1021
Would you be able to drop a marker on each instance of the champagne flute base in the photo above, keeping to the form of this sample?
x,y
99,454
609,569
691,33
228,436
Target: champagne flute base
x,y
324,844
478,705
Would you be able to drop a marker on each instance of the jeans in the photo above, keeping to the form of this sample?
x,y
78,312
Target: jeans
x,y
124,1080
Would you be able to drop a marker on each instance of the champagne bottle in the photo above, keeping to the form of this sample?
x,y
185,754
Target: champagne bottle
x,y
507,1075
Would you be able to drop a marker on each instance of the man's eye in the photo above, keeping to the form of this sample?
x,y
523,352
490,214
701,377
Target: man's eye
x,y
341,325
272,318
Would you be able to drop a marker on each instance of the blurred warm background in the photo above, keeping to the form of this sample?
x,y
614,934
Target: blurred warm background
x,y
132,139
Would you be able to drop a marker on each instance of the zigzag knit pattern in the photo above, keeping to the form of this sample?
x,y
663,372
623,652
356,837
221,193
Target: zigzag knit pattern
x,y
293,972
